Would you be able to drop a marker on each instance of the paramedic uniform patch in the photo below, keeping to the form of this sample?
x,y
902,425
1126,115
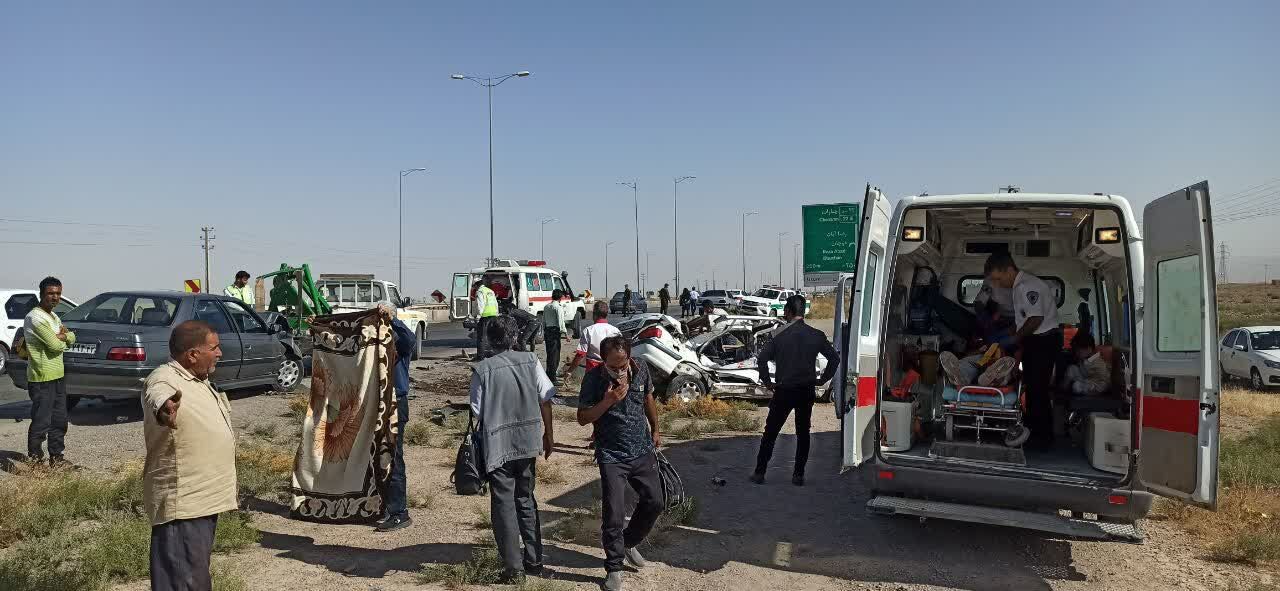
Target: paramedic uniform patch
x,y
1029,302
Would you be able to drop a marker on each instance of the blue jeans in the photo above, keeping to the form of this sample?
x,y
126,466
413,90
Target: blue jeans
x,y
397,492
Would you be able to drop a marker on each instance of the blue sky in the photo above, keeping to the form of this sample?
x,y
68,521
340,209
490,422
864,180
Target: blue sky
x,y
283,125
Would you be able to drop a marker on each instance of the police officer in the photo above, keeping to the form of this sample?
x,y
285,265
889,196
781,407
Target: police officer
x,y
794,348
487,303
1035,310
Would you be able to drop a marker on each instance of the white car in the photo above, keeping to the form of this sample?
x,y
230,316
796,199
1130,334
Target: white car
x,y
720,362
767,301
17,302
1252,352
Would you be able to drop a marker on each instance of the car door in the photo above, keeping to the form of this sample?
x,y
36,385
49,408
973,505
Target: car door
x,y
260,350
1226,349
1238,361
209,310
1178,404
858,298
460,297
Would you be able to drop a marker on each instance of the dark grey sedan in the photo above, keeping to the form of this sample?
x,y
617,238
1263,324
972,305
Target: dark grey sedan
x,y
122,336
638,303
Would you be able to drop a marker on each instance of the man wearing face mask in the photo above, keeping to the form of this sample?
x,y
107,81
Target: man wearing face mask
x,y
190,472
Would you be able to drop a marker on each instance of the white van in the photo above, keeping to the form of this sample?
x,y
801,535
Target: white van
x,y
528,284
1150,302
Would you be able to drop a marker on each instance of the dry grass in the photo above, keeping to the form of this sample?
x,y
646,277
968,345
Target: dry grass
x,y
421,500
706,415
550,473
1247,304
483,568
822,307
299,402
263,472
1249,404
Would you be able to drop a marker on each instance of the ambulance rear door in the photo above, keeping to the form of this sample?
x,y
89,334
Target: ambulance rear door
x,y
859,299
460,297
1178,405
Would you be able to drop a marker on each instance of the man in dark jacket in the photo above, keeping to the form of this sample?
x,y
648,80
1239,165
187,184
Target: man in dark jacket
x,y
511,397
664,297
794,348
396,507
626,299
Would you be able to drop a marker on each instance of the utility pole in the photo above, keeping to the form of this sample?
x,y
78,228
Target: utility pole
x,y
590,287
635,197
207,245
780,235
795,266
675,220
1224,253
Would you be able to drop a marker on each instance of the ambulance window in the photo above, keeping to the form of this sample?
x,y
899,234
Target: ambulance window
x,y
868,291
544,279
1178,288
559,284
531,281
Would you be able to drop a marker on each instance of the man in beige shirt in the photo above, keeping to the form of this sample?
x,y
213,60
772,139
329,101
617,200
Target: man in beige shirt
x,y
190,472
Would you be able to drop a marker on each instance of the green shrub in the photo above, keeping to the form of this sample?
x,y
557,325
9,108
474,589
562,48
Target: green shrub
x,y
1251,547
1253,460
234,532
417,434
483,568
740,420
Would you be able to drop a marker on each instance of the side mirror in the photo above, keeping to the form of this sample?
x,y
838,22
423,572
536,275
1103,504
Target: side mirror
x,y
1239,347
404,302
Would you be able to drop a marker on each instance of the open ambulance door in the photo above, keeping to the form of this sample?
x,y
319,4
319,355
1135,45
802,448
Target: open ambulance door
x,y
460,297
1178,404
858,331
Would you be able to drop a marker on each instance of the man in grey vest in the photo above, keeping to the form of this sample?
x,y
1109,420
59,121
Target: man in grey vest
x,y
511,396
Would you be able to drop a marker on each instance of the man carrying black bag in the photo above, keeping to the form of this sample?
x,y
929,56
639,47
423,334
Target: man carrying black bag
x,y
511,396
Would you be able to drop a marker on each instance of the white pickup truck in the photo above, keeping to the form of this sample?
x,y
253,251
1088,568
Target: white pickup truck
x,y
352,293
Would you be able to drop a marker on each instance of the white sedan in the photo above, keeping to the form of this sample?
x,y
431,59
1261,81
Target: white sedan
x,y
1252,352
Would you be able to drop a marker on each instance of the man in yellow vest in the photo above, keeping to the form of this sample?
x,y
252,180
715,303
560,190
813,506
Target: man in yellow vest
x,y
240,290
487,305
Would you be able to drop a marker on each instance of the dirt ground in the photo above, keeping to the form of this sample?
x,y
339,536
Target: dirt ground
x,y
775,536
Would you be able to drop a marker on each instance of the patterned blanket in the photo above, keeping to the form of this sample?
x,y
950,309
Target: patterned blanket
x,y
348,436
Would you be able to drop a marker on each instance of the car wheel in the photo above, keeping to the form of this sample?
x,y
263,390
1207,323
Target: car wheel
x,y
950,429
4,357
1255,379
685,388
72,401
288,375
417,345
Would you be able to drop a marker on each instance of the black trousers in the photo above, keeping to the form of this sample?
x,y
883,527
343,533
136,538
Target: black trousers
x,y
664,304
786,399
180,551
1039,353
396,503
514,512
482,340
552,341
48,417
641,475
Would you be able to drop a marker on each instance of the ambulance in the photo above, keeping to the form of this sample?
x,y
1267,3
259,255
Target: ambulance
x,y
527,283
1145,292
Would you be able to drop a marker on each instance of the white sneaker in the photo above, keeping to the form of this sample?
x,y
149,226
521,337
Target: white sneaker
x,y
633,556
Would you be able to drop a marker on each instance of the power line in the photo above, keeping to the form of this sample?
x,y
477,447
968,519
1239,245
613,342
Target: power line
x,y
1244,193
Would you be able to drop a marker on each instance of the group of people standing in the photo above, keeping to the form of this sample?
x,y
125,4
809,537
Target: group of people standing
x,y
688,302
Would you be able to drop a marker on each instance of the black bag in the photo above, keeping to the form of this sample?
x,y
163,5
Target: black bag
x,y
672,486
468,470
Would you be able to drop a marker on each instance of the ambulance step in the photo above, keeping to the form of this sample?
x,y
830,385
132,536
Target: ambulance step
x,y
1067,526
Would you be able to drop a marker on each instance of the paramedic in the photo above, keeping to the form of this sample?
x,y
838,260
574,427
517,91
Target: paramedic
x,y
487,303
794,348
1038,336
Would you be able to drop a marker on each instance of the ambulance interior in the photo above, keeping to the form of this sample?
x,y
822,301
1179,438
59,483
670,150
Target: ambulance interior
x,y
934,281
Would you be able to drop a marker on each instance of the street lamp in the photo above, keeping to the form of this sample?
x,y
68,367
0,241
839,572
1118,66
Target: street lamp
x,y
675,222
648,273
606,268
635,197
489,83
542,240
795,266
744,247
400,202
780,235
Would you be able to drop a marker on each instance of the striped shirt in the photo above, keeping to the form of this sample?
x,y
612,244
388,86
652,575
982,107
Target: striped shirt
x,y
43,345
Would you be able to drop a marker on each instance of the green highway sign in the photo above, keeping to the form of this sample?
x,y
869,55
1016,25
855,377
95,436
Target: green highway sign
x,y
830,241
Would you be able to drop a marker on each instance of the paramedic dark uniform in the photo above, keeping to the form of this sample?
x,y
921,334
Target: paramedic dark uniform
x,y
794,348
1033,297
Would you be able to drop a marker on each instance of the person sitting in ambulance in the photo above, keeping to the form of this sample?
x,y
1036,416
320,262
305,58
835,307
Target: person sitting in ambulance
x,y
1090,375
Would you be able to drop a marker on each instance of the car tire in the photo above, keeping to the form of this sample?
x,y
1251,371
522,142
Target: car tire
x,y
4,357
1255,379
684,387
420,335
288,374
72,401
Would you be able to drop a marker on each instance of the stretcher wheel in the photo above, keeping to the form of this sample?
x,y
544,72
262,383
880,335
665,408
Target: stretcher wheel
x,y
950,428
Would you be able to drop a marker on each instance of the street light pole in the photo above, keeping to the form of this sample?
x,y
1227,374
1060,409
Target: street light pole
x,y
400,203
606,268
635,197
675,220
795,266
744,248
542,240
489,83
648,273
780,235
